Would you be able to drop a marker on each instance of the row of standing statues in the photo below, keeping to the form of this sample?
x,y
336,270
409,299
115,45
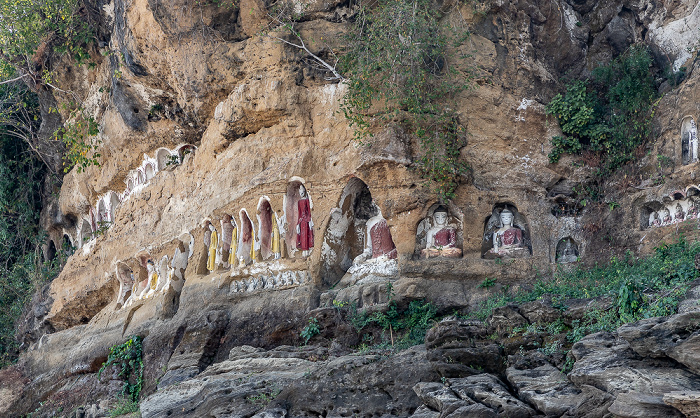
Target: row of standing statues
x,y
238,243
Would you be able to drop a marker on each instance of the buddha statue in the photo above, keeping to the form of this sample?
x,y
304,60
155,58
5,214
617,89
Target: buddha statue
x,y
654,219
693,209
213,245
304,228
276,249
680,215
442,237
152,279
666,219
507,238
380,245
569,253
234,243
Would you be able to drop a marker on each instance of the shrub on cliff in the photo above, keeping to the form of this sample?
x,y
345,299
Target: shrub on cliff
x,y
638,288
609,113
30,29
398,68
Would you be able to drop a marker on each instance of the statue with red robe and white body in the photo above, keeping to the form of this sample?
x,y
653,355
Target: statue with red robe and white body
x,y
305,232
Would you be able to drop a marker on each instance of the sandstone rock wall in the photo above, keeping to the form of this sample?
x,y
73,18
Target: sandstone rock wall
x,y
258,118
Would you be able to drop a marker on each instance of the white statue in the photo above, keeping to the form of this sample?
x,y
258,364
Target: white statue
x,y
507,236
666,219
441,238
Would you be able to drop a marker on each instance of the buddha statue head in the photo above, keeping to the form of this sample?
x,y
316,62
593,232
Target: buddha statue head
x,y
440,216
506,218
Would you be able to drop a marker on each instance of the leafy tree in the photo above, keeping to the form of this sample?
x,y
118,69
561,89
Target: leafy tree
x,y
21,177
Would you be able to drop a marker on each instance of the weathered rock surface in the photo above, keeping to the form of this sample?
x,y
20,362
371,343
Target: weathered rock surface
x,y
296,382
687,402
490,391
261,114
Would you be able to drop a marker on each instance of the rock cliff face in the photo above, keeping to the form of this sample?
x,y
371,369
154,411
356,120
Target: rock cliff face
x,y
204,119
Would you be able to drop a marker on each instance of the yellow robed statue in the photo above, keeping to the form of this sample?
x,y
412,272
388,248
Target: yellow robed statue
x,y
152,275
275,237
252,245
211,263
234,246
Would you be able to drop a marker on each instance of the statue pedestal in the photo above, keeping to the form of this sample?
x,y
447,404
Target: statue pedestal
x,y
371,270
445,252
517,252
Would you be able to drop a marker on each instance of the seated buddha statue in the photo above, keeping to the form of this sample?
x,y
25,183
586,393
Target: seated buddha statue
x,y
441,239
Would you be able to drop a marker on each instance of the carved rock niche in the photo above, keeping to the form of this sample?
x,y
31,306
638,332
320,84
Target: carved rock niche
x,y
446,239
678,206
506,233
567,251
689,141
344,239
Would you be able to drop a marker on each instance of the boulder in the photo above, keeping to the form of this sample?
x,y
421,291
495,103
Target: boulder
x,y
454,349
688,402
505,318
545,387
487,389
635,404
607,362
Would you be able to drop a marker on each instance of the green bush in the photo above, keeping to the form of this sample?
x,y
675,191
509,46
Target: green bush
x,y
310,330
409,325
128,358
639,287
609,113
29,27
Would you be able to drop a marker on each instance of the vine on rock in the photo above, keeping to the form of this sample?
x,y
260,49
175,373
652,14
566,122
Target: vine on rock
x,y
79,137
128,358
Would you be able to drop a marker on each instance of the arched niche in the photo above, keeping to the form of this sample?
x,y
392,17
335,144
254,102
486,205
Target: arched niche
x,y
689,141
103,215
513,240
67,245
84,232
165,159
246,238
292,203
264,215
149,171
344,238
114,202
125,278
140,177
428,226
206,241
130,183
51,251
567,251
184,150
650,215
